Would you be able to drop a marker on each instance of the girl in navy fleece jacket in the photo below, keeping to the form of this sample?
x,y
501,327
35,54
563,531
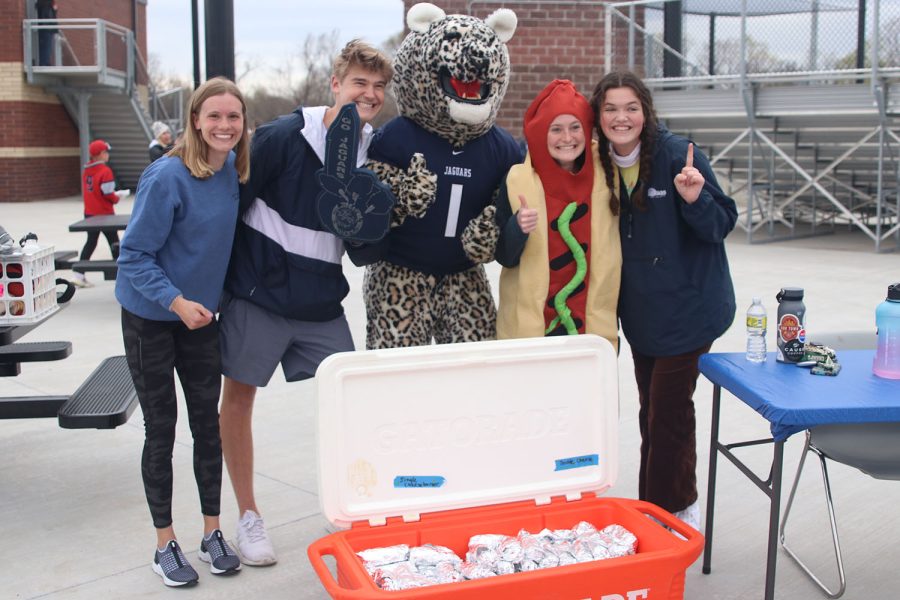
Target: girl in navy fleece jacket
x,y
676,295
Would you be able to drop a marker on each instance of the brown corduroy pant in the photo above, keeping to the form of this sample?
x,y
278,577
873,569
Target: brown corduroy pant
x,y
666,386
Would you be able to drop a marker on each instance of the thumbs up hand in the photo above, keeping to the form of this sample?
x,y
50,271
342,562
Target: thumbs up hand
x,y
527,218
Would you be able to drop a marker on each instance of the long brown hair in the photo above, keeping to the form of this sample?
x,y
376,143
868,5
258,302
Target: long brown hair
x,y
620,79
193,149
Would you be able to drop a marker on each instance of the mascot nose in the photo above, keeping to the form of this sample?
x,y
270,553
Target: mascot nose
x,y
479,64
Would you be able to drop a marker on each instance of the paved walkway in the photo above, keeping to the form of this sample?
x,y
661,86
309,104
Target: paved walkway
x,y
74,521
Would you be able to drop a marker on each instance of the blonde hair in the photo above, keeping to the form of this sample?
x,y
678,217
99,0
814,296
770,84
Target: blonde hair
x,y
357,53
192,149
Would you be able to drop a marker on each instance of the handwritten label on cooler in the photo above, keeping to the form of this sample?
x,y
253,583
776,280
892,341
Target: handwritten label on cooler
x,y
418,481
577,462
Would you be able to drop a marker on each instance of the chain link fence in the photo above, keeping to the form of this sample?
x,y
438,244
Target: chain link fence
x,y
779,36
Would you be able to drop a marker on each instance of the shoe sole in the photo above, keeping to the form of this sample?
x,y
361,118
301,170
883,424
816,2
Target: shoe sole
x,y
170,582
205,557
262,562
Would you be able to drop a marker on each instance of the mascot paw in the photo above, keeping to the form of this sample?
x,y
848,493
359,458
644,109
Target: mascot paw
x,y
418,187
479,238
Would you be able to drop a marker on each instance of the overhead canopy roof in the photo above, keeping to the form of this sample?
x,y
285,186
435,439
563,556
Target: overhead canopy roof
x,y
732,8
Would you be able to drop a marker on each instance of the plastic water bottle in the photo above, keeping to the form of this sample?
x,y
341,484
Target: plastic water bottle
x,y
756,332
887,318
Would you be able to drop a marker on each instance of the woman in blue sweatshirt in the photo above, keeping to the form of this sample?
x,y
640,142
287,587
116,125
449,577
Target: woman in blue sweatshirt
x,y
171,271
676,295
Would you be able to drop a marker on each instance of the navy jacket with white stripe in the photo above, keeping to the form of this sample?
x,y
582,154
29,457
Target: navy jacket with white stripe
x,y
283,259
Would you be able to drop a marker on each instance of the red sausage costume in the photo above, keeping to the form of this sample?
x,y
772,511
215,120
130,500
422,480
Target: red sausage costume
x,y
546,263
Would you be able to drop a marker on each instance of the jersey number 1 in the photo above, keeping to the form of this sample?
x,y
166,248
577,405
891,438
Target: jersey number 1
x,y
456,191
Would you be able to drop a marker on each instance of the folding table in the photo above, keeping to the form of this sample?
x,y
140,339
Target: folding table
x,y
792,400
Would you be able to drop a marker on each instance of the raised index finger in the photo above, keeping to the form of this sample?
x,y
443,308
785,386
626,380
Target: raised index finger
x,y
689,162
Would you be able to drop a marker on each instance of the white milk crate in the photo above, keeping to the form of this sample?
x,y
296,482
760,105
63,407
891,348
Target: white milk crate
x,y
27,286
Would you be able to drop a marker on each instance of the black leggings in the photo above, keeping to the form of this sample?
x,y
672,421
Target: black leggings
x,y
91,244
155,349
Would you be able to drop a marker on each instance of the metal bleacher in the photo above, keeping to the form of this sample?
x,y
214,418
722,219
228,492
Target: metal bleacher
x,y
804,148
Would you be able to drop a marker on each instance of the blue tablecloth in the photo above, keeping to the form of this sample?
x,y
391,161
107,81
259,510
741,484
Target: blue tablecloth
x,y
793,400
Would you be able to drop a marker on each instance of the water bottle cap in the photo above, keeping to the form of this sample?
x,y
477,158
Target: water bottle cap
x,y
756,300
893,293
790,293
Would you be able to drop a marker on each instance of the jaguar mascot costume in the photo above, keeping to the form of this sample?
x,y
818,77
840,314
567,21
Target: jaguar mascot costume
x,y
444,160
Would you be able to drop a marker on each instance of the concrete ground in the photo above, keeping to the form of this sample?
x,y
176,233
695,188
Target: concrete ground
x,y
74,522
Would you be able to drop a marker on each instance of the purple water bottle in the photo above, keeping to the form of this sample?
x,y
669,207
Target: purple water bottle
x,y
887,319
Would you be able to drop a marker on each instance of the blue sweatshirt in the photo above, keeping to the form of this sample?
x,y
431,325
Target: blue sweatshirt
x,y
178,239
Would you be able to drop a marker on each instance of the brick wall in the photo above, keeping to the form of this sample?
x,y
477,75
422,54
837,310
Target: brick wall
x,y
553,40
23,179
38,125
11,31
39,156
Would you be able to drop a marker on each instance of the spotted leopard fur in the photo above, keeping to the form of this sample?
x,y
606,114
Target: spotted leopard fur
x,y
408,308
414,188
440,54
456,47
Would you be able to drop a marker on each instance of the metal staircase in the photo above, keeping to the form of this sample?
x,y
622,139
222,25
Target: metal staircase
x,y
121,121
95,76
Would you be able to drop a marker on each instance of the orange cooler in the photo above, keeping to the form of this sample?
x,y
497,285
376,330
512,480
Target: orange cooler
x,y
432,445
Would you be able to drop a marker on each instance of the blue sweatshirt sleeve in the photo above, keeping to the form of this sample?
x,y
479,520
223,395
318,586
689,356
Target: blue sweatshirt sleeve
x,y
713,215
148,228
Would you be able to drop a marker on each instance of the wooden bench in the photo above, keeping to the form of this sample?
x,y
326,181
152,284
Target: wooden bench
x,y
12,355
107,267
104,401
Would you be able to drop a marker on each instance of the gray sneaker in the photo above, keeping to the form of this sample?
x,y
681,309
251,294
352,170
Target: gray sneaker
x,y
173,567
221,558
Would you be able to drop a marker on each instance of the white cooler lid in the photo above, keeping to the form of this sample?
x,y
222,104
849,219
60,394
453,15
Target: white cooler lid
x,y
415,430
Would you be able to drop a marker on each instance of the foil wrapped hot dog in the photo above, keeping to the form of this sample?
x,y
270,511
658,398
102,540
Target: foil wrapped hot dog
x,y
401,567
375,557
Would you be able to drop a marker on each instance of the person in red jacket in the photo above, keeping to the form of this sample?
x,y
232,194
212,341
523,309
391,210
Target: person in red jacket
x,y
99,192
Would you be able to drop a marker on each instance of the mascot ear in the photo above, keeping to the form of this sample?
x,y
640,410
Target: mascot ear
x,y
422,15
503,21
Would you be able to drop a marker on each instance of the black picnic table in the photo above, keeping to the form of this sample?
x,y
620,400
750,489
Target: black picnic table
x,y
101,223
104,400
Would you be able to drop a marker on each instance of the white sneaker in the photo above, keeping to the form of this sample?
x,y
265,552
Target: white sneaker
x,y
691,515
253,541
79,280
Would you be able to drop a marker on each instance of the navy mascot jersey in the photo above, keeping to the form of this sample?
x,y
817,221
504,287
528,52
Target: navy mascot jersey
x,y
466,180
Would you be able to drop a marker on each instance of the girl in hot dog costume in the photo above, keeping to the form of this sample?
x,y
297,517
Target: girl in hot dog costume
x,y
559,227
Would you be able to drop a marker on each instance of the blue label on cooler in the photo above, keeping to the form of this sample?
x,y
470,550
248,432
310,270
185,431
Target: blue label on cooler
x,y
576,462
418,481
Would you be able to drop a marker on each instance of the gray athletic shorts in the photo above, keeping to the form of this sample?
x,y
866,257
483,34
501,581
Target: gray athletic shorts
x,y
254,340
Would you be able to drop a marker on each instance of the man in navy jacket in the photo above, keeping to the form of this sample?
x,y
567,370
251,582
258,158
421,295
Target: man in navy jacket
x,y
285,283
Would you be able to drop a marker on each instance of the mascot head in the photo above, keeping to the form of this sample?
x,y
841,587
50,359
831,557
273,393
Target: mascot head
x,y
451,72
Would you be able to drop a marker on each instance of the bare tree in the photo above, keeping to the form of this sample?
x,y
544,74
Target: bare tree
x,y
315,59
888,49
759,58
